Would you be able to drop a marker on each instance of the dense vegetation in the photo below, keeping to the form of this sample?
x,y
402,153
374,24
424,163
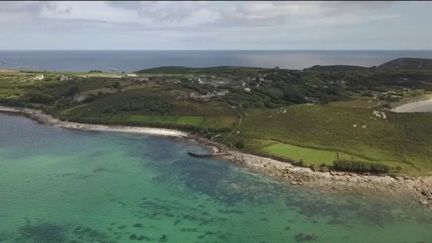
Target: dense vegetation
x,y
316,116
149,104
360,166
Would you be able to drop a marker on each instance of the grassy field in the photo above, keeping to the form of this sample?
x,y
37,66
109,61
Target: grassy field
x,y
13,83
309,156
321,130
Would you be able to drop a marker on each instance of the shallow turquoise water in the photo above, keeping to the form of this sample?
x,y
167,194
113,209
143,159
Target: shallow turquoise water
x,y
60,185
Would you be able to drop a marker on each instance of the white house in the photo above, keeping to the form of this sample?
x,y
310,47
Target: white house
x,y
39,77
64,78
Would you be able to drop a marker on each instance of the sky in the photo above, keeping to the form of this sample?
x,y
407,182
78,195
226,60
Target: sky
x,y
215,25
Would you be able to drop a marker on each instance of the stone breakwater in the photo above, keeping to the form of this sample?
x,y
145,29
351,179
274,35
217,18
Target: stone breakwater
x,y
395,186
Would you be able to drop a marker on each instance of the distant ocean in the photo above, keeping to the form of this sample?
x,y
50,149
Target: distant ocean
x,y
137,60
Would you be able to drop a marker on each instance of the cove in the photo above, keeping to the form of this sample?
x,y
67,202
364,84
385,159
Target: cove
x,y
59,185
416,106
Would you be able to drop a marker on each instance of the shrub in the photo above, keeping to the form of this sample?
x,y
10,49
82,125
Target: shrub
x,y
116,85
240,144
379,168
40,98
150,104
12,102
299,163
359,166
107,109
72,91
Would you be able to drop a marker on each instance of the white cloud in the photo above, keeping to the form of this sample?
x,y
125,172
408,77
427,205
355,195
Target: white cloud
x,y
174,14
213,24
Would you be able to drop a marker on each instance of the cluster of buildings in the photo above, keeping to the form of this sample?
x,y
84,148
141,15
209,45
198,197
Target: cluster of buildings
x,y
61,77
209,95
245,83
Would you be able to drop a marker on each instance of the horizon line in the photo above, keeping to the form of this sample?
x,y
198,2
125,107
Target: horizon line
x,y
215,49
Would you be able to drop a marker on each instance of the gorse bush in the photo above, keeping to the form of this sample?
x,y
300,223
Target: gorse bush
x,y
40,98
154,105
72,91
12,102
240,144
359,166
379,168
151,104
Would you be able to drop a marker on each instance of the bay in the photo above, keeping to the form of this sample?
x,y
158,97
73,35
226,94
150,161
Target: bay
x,y
59,185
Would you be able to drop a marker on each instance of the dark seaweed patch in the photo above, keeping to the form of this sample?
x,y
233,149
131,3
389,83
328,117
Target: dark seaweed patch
x,y
207,221
102,169
44,232
163,238
340,211
143,237
301,237
189,230
87,234
218,181
158,208
177,221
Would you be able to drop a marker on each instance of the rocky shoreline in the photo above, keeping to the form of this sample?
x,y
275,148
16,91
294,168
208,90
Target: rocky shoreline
x,y
404,187
398,187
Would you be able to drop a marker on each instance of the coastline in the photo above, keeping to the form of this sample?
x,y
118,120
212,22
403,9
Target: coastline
x,y
398,187
44,118
407,100
418,189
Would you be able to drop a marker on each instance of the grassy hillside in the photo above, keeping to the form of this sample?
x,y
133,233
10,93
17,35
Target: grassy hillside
x,y
400,140
335,68
407,63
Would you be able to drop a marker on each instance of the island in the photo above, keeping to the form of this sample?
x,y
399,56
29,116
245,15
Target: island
x,y
321,126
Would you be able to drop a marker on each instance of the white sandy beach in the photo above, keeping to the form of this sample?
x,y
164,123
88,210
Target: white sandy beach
x,y
48,119
416,106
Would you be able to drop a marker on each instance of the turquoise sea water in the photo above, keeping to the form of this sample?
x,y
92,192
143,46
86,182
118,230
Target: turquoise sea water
x,y
59,185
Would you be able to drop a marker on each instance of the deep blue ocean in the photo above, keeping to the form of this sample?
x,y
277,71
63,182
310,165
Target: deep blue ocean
x,y
137,59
